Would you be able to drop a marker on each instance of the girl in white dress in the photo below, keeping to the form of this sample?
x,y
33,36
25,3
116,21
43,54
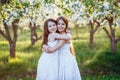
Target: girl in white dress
x,y
67,65
48,63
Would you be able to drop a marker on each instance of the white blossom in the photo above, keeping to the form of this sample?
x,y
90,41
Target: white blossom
x,y
27,9
100,13
22,0
5,21
14,14
95,14
56,2
106,5
91,18
119,4
118,22
106,13
102,24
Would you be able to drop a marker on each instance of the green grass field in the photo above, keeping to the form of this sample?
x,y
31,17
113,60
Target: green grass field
x,y
98,63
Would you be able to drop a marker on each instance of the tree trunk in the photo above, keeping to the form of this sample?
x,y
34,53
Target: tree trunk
x,y
112,31
113,46
33,35
13,42
12,49
91,39
113,41
32,40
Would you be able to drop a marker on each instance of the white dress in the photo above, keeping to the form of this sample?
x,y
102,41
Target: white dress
x,y
68,68
48,65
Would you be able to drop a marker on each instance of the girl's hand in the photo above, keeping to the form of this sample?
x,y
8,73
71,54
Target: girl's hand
x,y
45,48
50,50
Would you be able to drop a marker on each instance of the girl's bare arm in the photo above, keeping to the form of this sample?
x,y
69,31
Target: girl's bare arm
x,y
62,36
56,47
52,49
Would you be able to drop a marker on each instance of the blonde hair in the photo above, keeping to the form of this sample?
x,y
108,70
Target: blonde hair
x,y
72,49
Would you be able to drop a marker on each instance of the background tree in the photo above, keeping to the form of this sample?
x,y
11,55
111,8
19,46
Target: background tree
x,y
32,13
94,17
111,10
10,13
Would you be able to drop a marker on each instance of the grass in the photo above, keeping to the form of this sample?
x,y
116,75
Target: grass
x,y
103,77
23,66
94,64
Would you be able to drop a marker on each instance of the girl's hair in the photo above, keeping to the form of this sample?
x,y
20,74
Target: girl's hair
x,y
72,49
45,30
65,21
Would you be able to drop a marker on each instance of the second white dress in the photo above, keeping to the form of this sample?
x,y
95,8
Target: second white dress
x,y
68,68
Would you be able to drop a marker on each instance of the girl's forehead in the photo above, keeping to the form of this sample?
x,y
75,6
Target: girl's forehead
x,y
61,20
51,22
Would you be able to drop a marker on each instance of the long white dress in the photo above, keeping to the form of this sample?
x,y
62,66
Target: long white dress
x,y
68,68
48,65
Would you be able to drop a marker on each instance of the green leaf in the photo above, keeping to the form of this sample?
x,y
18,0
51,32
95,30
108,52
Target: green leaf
x,y
59,14
111,7
47,14
26,4
67,2
37,5
49,1
18,6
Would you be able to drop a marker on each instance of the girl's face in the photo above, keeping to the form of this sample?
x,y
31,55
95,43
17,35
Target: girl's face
x,y
52,27
61,26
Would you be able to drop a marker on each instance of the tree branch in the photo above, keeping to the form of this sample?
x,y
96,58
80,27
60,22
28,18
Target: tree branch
x,y
7,31
108,34
15,28
2,15
39,37
3,34
97,26
110,22
10,16
91,26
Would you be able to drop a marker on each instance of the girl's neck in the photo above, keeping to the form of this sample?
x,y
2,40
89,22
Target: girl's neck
x,y
52,32
63,32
